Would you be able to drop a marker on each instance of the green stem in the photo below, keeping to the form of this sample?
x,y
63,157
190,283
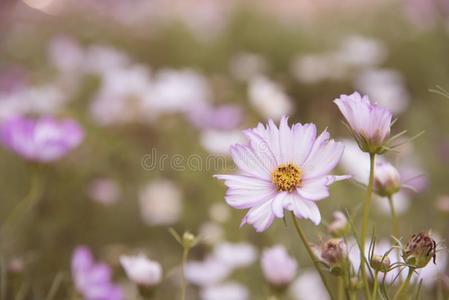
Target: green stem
x,y
394,218
26,204
394,226
376,285
185,254
404,285
312,255
366,212
341,288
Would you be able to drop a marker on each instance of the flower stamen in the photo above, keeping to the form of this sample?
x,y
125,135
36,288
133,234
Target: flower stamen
x,y
287,177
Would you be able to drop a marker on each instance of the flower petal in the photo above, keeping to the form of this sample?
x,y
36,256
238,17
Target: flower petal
x,y
261,217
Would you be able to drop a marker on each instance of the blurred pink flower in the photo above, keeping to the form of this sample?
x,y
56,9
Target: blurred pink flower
x,y
282,168
160,202
42,140
208,272
268,98
104,190
142,270
92,279
236,255
225,291
369,122
309,287
278,267
223,117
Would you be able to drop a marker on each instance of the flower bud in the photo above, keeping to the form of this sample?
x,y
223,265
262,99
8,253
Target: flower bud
x,y
380,263
420,249
188,240
387,180
333,253
339,226
370,123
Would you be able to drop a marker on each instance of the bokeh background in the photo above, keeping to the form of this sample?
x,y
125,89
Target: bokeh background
x,y
182,78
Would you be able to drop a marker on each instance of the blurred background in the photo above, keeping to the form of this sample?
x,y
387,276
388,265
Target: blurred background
x,y
148,79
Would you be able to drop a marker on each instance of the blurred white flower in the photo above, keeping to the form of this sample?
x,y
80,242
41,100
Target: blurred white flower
x,y
160,202
442,203
401,203
386,87
179,90
219,141
208,272
142,270
309,287
222,117
235,255
268,98
359,51
225,291
44,99
66,55
102,59
211,233
219,212
246,66
279,269
314,68
104,190
124,97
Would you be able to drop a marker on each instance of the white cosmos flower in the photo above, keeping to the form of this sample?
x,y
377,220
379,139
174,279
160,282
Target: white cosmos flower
x,y
209,272
386,86
160,202
282,168
124,97
142,270
219,141
236,255
225,291
309,286
279,269
179,90
268,98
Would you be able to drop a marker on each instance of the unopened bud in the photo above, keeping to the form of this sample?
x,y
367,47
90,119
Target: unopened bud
x,y
387,180
420,249
188,240
333,253
381,263
339,226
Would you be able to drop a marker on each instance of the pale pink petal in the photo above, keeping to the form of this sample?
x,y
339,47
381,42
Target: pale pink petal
x,y
314,189
323,159
305,209
278,204
303,140
245,158
260,217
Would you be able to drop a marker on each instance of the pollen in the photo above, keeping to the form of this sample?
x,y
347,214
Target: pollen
x,y
287,177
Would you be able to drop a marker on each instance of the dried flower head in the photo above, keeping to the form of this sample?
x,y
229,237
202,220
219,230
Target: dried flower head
x,y
333,253
380,263
420,249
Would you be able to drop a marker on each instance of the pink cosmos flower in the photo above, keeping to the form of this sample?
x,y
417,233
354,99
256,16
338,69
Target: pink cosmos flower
x,y
42,140
282,168
278,267
369,122
92,279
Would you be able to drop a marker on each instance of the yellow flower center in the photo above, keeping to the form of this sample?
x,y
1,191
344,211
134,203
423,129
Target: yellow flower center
x,y
287,177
